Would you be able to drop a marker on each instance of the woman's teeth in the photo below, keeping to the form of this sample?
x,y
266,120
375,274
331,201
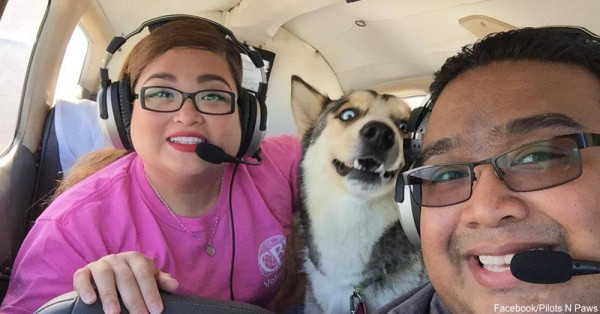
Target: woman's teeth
x,y
189,140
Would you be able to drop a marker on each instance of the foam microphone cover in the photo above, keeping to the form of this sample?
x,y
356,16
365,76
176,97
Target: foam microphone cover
x,y
211,153
544,267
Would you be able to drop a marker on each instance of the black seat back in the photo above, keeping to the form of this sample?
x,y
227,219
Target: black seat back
x,y
49,169
22,214
71,303
17,177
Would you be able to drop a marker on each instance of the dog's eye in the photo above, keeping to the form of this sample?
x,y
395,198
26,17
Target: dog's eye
x,y
347,115
403,126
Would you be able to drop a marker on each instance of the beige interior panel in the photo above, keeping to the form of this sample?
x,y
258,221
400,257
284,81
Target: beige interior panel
x,y
95,25
405,88
481,25
45,64
294,56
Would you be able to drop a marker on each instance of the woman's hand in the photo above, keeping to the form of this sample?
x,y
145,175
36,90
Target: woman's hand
x,y
134,275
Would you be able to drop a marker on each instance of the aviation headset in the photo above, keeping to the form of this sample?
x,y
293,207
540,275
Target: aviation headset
x,y
410,211
116,100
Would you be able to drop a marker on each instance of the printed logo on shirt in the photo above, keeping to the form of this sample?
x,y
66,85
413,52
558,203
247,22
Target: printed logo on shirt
x,y
270,255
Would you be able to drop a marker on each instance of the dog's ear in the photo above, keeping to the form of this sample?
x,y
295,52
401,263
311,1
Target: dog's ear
x,y
307,104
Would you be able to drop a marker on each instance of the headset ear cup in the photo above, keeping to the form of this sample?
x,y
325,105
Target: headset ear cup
x,y
410,214
102,102
125,110
409,209
253,124
244,119
114,119
255,132
416,213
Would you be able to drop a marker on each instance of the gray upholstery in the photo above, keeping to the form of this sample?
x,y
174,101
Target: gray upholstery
x,y
70,303
17,179
19,184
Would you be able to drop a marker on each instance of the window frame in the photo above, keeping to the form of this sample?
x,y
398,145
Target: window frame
x,y
21,122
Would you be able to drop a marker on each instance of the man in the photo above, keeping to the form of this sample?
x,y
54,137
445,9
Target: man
x,y
531,97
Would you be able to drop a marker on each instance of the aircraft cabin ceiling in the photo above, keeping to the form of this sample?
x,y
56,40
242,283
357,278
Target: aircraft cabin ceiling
x,y
367,42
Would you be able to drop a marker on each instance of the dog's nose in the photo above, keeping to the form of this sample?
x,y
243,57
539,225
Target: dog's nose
x,y
378,136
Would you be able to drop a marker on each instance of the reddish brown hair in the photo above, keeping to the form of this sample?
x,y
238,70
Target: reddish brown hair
x,y
183,33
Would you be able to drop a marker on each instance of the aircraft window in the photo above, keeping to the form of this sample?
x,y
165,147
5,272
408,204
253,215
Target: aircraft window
x,y
414,101
18,32
67,86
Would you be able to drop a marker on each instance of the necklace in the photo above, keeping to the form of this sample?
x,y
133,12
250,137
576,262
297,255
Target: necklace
x,y
210,249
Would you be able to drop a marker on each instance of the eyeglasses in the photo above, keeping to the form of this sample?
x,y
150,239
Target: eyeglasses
x,y
532,167
167,99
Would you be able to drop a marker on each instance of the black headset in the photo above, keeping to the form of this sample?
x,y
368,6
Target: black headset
x,y
410,211
115,98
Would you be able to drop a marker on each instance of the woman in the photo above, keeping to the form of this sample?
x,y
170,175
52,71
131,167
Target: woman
x,y
160,216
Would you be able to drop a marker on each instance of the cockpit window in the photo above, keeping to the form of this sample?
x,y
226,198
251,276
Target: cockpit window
x,y
414,101
67,86
19,27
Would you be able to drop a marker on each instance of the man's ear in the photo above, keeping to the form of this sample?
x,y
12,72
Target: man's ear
x,y
307,104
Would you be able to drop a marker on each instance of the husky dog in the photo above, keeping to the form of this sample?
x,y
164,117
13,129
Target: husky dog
x,y
355,249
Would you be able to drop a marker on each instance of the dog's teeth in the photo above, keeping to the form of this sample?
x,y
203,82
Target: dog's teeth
x,y
358,166
380,169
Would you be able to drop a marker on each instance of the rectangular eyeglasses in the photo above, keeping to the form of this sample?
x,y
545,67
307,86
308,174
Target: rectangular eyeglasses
x,y
532,167
168,99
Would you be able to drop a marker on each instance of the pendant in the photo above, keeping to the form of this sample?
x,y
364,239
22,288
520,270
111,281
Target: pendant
x,y
210,250
357,306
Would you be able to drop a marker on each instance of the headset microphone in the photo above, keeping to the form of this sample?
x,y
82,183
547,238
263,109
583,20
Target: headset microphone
x,y
216,155
548,267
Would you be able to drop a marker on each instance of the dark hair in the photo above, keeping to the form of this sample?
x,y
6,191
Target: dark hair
x,y
570,45
182,33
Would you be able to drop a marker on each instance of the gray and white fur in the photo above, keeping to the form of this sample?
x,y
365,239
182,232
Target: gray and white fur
x,y
349,219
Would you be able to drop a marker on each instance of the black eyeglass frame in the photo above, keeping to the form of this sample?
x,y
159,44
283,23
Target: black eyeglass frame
x,y
583,140
192,96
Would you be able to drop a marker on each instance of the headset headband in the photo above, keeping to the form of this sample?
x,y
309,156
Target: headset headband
x,y
416,125
118,41
115,98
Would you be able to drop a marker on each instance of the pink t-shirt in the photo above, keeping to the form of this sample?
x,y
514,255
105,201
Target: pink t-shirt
x,y
116,210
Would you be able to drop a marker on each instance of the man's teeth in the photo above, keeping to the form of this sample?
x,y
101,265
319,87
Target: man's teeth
x,y
189,140
499,263
488,260
496,268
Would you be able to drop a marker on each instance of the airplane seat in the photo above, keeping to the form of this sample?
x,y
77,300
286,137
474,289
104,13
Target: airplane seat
x,y
49,172
71,130
49,168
